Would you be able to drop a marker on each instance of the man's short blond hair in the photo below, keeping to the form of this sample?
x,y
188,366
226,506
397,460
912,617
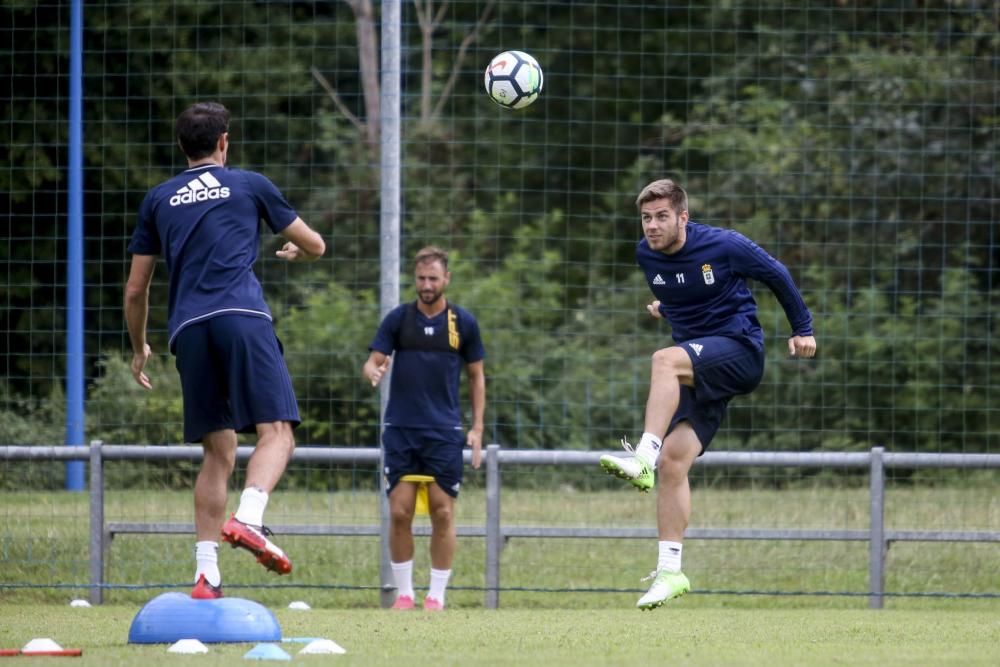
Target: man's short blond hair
x,y
429,254
664,189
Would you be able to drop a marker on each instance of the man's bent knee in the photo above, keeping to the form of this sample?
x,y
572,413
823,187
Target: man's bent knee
x,y
276,432
220,459
673,361
219,448
671,470
674,464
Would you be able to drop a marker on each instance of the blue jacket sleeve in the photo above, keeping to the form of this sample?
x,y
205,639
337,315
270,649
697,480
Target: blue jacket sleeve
x,y
145,238
751,261
273,207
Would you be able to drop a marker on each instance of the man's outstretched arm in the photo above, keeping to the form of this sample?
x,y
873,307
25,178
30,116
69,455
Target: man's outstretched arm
x,y
137,311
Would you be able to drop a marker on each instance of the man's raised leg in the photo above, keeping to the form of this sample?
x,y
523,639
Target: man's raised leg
x,y
275,444
671,367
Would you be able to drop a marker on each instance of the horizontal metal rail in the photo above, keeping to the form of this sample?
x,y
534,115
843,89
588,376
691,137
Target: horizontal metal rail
x,y
530,457
355,530
332,530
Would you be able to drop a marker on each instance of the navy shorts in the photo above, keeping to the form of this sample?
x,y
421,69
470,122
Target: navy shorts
x,y
233,376
424,451
723,367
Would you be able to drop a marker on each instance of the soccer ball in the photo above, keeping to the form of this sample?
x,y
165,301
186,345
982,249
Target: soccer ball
x,y
513,79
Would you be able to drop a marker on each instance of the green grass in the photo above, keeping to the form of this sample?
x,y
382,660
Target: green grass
x,y
680,634
44,538
44,541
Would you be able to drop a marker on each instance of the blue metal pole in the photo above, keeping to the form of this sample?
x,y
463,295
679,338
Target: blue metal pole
x,y
74,252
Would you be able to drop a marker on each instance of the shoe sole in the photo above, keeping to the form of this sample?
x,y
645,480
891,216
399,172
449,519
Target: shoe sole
x,y
615,471
264,557
655,605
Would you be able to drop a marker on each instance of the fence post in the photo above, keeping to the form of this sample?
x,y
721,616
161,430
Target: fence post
x,y
96,523
494,540
876,543
390,170
387,582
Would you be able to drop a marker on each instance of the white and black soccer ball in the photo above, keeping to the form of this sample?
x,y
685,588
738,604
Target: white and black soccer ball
x,y
513,79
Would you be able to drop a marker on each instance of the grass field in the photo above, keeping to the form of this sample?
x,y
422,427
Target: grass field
x,y
44,544
680,634
563,601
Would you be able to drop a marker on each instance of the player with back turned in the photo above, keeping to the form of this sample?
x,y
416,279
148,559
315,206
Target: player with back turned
x,y
698,275
205,222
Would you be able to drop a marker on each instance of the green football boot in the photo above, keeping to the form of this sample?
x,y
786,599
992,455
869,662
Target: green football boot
x,y
666,586
632,468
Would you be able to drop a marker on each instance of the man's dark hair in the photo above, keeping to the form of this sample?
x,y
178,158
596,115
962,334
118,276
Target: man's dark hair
x,y
199,128
431,254
664,189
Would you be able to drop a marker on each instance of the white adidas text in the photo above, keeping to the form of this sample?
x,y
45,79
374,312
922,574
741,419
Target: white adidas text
x,y
200,189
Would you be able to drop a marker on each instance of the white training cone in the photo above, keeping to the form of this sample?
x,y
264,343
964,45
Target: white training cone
x,y
41,645
187,646
44,646
322,647
299,604
79,603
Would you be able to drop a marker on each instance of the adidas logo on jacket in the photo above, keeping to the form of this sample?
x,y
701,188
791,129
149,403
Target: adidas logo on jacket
x,y
200,189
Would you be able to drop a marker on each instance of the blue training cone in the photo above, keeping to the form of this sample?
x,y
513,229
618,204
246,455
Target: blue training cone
x,y
170,617
266,652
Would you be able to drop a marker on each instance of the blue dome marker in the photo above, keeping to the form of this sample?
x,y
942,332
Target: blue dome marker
x,y
170,617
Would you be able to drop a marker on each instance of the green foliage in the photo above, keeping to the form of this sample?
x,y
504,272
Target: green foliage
x,y
326,344
857,144
123,413
32,421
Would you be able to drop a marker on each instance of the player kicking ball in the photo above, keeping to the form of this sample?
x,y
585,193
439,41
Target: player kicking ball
x,y
698,275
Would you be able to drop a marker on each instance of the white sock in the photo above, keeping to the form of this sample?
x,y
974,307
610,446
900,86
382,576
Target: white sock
x,y
670,557
649,448
403,574
439,581
206,555
252,504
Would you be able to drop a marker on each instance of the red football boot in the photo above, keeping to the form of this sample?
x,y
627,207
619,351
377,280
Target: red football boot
x,y
254,539
205,591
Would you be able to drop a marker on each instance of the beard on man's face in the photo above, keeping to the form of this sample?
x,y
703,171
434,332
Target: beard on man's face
x,y
430,296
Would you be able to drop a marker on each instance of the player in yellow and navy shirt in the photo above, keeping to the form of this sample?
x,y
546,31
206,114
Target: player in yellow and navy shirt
x,y
430,341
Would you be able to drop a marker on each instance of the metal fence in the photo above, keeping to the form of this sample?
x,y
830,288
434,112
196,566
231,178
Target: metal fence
x,y
877,461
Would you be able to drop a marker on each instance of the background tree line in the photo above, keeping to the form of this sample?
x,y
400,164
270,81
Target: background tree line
x,y
857,142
